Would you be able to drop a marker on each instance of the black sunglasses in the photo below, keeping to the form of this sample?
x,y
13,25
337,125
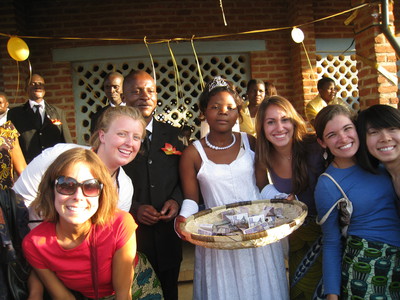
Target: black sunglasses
x,y
68,186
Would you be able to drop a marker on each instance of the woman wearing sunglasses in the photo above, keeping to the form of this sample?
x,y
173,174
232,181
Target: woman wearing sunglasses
x,y
85,246
116,141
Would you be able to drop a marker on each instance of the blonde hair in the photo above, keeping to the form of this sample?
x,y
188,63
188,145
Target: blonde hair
x,y
108,116
108,198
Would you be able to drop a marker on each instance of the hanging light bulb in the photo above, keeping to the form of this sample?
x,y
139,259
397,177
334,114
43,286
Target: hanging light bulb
x,y
297,35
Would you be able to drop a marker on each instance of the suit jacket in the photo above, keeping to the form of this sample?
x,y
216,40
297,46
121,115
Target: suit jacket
x,y
96,116
155,177
33,140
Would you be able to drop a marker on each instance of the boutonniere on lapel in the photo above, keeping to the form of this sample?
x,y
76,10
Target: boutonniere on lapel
x,y
170,150
56,122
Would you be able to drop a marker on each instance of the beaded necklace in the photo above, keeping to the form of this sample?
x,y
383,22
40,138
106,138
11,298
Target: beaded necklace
x,y
220,148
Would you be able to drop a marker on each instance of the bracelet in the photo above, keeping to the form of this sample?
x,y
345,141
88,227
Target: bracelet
x,y
188,208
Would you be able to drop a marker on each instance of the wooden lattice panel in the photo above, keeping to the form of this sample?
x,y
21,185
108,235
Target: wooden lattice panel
x,y
88,80
343,70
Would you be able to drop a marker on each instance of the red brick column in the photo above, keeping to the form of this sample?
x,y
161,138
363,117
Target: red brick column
x,y
372,48
304,80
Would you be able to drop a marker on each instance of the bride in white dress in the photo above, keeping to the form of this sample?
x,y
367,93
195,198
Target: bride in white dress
x,y
220,167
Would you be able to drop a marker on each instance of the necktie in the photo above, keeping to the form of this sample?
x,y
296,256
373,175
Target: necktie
x,y
38,117
146,141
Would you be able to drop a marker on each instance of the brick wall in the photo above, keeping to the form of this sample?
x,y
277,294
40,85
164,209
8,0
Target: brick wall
x,y
332,28
303,77
373,47
284,63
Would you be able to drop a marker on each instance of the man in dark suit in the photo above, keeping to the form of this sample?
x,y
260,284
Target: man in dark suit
x,y
39,124
157,193
113,89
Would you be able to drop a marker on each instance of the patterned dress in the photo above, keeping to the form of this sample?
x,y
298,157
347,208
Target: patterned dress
x,y
8,135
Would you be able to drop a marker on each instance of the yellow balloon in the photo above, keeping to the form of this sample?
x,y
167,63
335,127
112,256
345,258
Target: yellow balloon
x,y
17,49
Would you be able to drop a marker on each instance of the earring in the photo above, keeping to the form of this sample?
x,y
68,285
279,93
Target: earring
x,y
325,155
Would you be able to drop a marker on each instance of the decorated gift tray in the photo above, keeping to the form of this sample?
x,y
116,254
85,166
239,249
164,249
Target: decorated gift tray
x,y
209,228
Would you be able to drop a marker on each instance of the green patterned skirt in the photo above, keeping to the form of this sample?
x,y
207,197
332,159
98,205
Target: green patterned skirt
x,y
370,270
146,285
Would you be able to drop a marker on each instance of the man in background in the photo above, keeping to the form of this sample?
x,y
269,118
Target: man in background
x,y
39,124
326,96
113,89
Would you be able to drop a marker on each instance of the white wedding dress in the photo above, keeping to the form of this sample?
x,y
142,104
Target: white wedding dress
x,y
243,274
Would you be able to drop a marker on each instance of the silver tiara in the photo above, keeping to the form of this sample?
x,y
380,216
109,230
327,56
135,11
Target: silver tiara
x,y
217,82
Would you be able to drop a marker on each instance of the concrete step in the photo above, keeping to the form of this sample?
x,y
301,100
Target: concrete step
x,y
187,265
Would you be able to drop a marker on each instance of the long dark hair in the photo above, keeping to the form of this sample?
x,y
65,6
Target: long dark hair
x,y
378,116
264,148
